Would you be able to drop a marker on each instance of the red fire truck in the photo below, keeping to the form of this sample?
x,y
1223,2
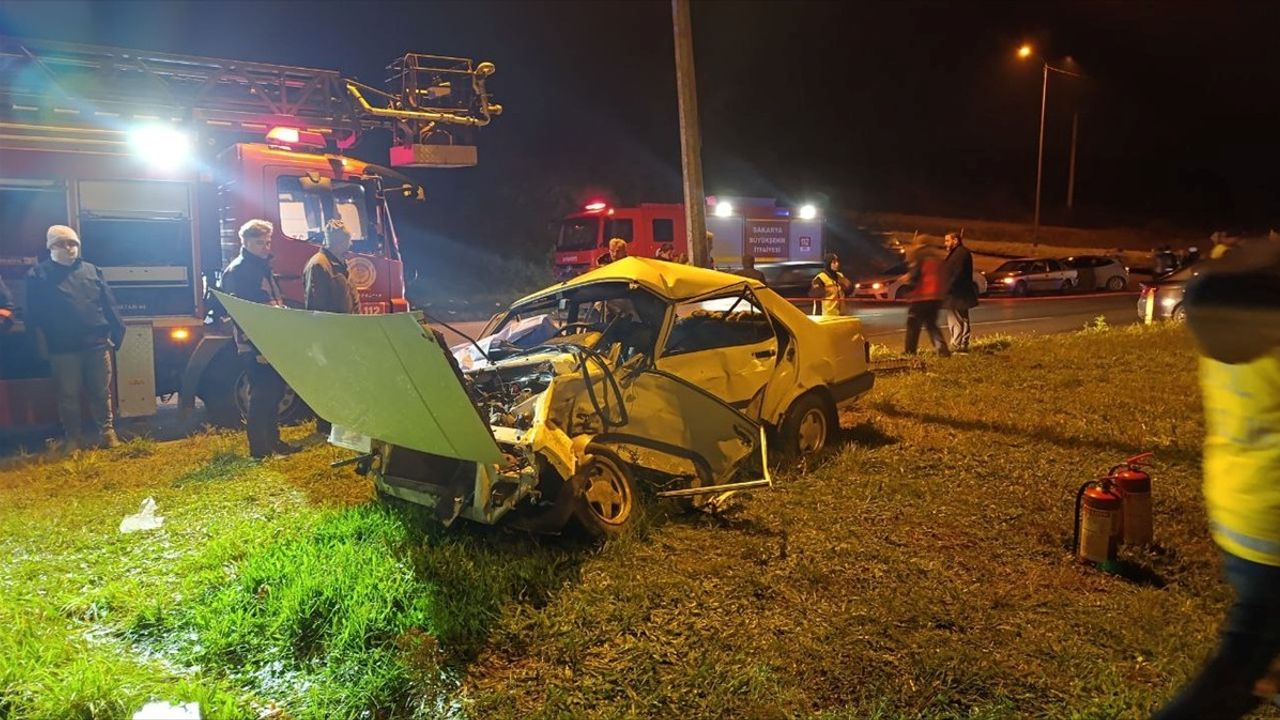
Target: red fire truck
x,y
157,159
758,227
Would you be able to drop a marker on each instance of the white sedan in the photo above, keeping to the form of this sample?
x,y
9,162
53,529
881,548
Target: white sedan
x,y
1030,275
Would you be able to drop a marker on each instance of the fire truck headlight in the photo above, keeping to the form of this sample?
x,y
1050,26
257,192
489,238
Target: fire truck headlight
x,y
724,208
160,145
180,334
808,212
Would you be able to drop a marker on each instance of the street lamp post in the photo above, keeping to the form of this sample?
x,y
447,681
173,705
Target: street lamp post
x,y
1025,52
1044,96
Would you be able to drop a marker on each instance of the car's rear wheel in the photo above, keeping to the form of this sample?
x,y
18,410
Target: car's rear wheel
x,y
1065,287
1179,314
1116,283
808,427
607,505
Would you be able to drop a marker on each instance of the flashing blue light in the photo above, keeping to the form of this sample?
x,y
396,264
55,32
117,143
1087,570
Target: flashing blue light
x,y
782,212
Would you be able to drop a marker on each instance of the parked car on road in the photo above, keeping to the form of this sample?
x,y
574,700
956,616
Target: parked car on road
x,y
1108,273
892,284
1161,299
1031,275
790,279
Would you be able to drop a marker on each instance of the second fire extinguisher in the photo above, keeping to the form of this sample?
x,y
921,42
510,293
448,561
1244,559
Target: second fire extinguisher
x,y
1134,487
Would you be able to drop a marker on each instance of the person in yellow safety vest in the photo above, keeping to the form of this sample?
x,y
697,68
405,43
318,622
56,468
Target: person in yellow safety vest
x,y
1233,311
832,286
1222,244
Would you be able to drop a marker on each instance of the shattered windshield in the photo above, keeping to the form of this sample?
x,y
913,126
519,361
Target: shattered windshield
x,y
598,315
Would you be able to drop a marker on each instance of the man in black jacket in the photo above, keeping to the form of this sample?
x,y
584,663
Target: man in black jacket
x,y
74,316
249,277
961,296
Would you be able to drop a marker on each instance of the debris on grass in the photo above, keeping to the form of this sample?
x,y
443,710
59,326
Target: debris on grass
x,y
143,520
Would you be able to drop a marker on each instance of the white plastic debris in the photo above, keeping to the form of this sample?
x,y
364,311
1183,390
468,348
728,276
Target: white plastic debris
x,y
164,710
145,519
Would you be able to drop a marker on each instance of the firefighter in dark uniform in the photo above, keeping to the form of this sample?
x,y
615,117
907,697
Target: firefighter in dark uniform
x,y
328,283
249,277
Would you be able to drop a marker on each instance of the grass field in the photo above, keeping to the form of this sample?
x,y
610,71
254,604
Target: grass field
x,y
920,571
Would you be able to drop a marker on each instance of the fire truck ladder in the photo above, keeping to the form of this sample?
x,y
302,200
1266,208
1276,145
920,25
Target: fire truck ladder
x,y
58,92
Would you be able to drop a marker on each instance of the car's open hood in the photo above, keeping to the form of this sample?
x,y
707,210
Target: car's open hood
x,y
383,376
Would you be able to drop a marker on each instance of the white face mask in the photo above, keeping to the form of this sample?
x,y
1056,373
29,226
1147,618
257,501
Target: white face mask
x,y
63,255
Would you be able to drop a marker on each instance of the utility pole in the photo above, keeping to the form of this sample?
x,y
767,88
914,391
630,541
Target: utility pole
x,y
1071,172
695,199
1044,96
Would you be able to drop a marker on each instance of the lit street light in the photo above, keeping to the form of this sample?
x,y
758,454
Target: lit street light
x,y
1025,52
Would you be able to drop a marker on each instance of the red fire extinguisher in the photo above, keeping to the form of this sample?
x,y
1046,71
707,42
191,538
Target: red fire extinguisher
x,y
1097,522
1133,484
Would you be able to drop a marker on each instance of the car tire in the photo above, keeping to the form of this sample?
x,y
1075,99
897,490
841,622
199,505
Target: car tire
x,y
977,292
808,427
1179,314
1116,283
900,294
608,504
1066,286
1019,289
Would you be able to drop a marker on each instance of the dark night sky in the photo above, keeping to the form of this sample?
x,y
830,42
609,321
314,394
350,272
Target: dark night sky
x,y
919,107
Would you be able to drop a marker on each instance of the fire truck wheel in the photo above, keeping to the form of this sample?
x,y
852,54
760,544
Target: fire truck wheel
x,y
225,392
808,427
609,501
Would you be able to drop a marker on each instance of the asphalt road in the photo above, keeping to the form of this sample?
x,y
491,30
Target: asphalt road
x,y
884,323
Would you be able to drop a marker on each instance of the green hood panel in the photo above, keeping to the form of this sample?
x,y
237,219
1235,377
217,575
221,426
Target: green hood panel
x,y
383,376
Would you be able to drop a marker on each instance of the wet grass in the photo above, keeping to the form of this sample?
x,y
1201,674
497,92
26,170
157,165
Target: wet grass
x,y
921,571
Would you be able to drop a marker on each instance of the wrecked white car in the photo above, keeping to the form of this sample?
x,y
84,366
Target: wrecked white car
x,y
642,371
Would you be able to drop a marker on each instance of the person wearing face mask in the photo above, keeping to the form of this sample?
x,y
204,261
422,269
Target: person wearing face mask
x,y
248,276
327,283
77,325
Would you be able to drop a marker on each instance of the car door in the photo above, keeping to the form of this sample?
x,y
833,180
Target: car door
x,y
725,344
1035,273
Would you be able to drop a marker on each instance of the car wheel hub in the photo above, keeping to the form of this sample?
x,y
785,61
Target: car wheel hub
x,y
812,431
607,494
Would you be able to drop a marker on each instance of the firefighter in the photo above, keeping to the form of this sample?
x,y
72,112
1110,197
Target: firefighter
x,y
327,283
77,325
249,277
832,286
1233,311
